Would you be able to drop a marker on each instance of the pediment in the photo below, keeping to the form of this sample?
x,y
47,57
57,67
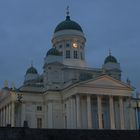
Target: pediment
x,y
105,82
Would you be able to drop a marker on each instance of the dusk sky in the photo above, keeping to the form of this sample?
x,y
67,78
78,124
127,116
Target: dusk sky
x,y
27,26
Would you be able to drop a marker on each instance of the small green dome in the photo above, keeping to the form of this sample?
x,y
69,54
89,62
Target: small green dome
x,y
31,70
53,51
111,59
68,24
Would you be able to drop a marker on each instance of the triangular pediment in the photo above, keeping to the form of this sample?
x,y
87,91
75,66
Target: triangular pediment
x,y
102,85
106,82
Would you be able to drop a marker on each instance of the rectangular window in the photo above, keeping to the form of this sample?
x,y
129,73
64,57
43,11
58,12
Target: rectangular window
x,y
39,122
67,53
75,55
60,46
39,108
67,44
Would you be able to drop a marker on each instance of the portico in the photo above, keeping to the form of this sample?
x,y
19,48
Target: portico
x,y
7,114
96,109
81,110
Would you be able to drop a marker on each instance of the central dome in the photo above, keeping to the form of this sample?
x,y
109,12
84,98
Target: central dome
x,y
68,24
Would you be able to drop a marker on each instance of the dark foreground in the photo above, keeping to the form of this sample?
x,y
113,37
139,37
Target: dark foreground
x,y
67,134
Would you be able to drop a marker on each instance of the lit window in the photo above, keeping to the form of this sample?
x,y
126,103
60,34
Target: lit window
x,y
75,54
68,54
39,108
39,122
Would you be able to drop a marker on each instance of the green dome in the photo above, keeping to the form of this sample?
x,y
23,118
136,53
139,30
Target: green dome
x,y
31,70
111,59
53,51
68,24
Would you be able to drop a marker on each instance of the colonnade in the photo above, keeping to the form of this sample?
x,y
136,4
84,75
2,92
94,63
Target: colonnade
x,y
89,113
7,114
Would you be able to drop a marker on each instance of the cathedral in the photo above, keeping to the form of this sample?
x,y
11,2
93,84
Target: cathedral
x,y
68,94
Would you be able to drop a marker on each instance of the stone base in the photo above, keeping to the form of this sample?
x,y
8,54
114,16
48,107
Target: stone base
x,y
7,133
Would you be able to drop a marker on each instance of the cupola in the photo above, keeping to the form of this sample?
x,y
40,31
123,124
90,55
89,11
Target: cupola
x,y
69,40
31,75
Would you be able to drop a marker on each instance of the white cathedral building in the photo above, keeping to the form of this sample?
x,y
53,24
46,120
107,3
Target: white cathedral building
x,y
68,93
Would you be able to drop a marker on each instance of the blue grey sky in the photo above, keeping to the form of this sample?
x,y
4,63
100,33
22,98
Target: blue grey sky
x,y
26,29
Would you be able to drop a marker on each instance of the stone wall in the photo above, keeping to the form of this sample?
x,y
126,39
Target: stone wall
x,y
7,133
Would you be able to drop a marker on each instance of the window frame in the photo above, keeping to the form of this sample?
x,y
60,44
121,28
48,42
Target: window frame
x,y
67,54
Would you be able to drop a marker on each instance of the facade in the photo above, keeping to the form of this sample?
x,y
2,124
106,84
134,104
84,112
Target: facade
x,y
69,94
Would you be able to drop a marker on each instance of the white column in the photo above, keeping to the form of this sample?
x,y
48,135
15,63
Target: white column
x,y
78,114
71,110
0,117
89,120
74,112
9,113
45,116
4,116
22,114
50,114
131,118
111,108
13,114
67,114
99,104
121,112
